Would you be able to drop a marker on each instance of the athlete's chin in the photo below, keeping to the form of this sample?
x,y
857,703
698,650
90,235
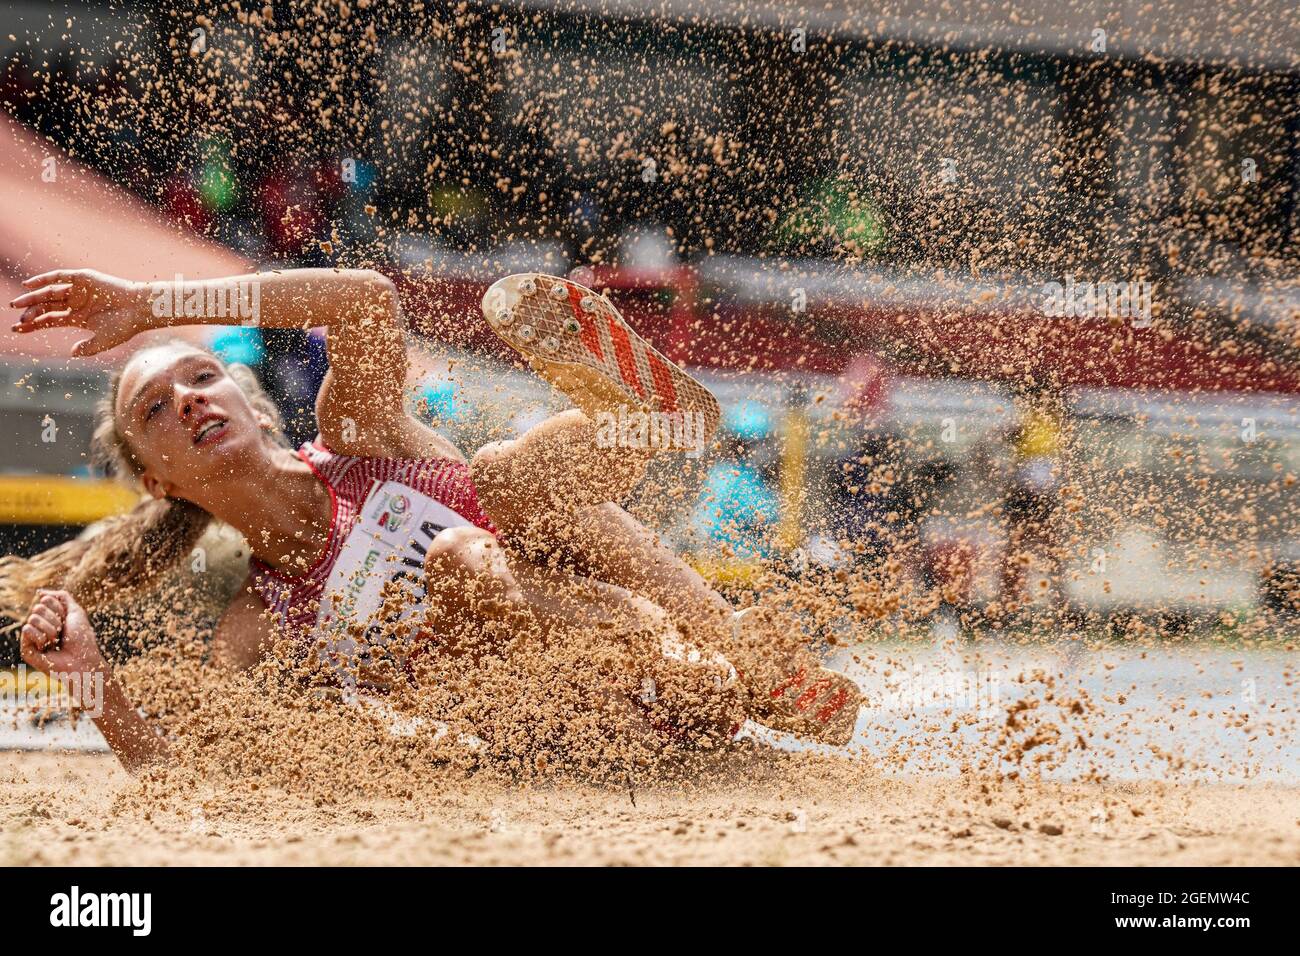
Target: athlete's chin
x,y
224,442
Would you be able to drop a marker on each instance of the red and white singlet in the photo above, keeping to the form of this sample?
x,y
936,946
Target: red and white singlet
x,y
385,512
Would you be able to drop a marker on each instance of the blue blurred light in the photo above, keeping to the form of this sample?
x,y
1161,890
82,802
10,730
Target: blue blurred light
x,y
365,175
749,421
239,345
437,400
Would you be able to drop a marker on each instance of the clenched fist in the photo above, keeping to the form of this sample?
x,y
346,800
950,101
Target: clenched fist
x,y
57,636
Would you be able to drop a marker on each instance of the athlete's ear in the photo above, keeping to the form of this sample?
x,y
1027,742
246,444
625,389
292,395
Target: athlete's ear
x,y
155,486
264,420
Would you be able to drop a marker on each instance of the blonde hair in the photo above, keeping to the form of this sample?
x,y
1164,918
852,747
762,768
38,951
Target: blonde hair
x,y
126,553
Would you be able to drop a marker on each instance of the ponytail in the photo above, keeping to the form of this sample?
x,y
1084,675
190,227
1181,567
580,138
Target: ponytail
x,y
126,555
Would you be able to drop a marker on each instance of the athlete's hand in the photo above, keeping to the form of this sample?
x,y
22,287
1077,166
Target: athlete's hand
x,y
57,636
111,309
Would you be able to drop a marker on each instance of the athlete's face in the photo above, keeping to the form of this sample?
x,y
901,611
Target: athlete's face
x,y
185,418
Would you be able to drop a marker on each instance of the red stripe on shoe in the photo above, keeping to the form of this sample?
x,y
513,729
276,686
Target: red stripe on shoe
x,y
623,349
663,380
794,680
812,693
589,336
838,700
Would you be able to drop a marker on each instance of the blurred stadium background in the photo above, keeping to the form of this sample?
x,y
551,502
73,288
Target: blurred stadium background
x,y
843,222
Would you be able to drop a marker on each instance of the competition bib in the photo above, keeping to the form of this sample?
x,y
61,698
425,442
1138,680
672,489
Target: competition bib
x,y
388,542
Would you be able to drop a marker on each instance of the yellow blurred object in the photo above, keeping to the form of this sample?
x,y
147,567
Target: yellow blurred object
x,y
33,682
55,499
1040,435
727,573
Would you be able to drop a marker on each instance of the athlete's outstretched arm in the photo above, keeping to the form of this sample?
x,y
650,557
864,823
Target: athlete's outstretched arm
x,y
360,406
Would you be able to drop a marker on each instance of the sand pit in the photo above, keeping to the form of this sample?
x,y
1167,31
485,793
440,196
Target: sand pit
x,y
929,783
59,809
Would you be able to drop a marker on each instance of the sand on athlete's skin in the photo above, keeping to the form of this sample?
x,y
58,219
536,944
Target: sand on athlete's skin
x,y
63,809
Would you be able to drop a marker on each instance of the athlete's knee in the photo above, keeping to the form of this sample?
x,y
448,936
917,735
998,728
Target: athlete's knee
x,y
536,453
518,496
460,551
467,572
489,459
568,421
499,481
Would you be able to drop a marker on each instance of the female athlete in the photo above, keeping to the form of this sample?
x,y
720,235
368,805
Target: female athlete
x,y
379,500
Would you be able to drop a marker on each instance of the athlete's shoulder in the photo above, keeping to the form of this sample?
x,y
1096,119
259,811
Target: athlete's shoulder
x,y
328,463
316,448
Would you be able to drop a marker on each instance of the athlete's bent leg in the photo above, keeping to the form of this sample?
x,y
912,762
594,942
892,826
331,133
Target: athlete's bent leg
x,y
473,582
556,487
